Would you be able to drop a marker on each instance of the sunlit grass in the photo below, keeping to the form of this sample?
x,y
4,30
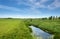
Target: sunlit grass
x,y
14,29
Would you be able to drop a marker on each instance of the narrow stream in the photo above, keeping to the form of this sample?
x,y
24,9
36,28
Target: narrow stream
x,y
40,34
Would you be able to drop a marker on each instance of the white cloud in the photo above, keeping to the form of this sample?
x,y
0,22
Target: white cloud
x,y
42,1
9,8
55,4
33,4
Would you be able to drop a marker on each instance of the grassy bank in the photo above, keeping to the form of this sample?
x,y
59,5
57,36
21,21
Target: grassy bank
x,y
50,26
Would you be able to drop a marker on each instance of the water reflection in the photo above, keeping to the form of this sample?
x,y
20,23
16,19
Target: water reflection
x,y
40,34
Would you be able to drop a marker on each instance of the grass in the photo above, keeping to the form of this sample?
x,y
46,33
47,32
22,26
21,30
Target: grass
x,y
50,26
14,29
19,28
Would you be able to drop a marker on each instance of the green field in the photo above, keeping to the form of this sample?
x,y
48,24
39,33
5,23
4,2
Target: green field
x,y
14,29
18,28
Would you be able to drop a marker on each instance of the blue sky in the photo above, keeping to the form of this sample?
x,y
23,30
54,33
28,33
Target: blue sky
x,y
29,8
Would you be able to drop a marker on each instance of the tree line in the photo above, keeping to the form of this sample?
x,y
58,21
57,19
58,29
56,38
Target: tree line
x,y
52,18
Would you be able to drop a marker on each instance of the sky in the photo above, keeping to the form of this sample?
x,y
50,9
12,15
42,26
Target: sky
x,y
29,8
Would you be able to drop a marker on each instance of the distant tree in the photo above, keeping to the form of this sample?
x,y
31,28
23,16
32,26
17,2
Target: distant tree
x,y
53,17
58,17
9,18
50,18
44,18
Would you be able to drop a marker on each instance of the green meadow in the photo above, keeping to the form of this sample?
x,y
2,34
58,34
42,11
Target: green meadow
x,y
14,29
19,28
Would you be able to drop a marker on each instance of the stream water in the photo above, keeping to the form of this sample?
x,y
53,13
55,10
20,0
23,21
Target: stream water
x,y
40,34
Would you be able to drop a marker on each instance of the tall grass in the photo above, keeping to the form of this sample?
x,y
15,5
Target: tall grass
x,y
14,29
